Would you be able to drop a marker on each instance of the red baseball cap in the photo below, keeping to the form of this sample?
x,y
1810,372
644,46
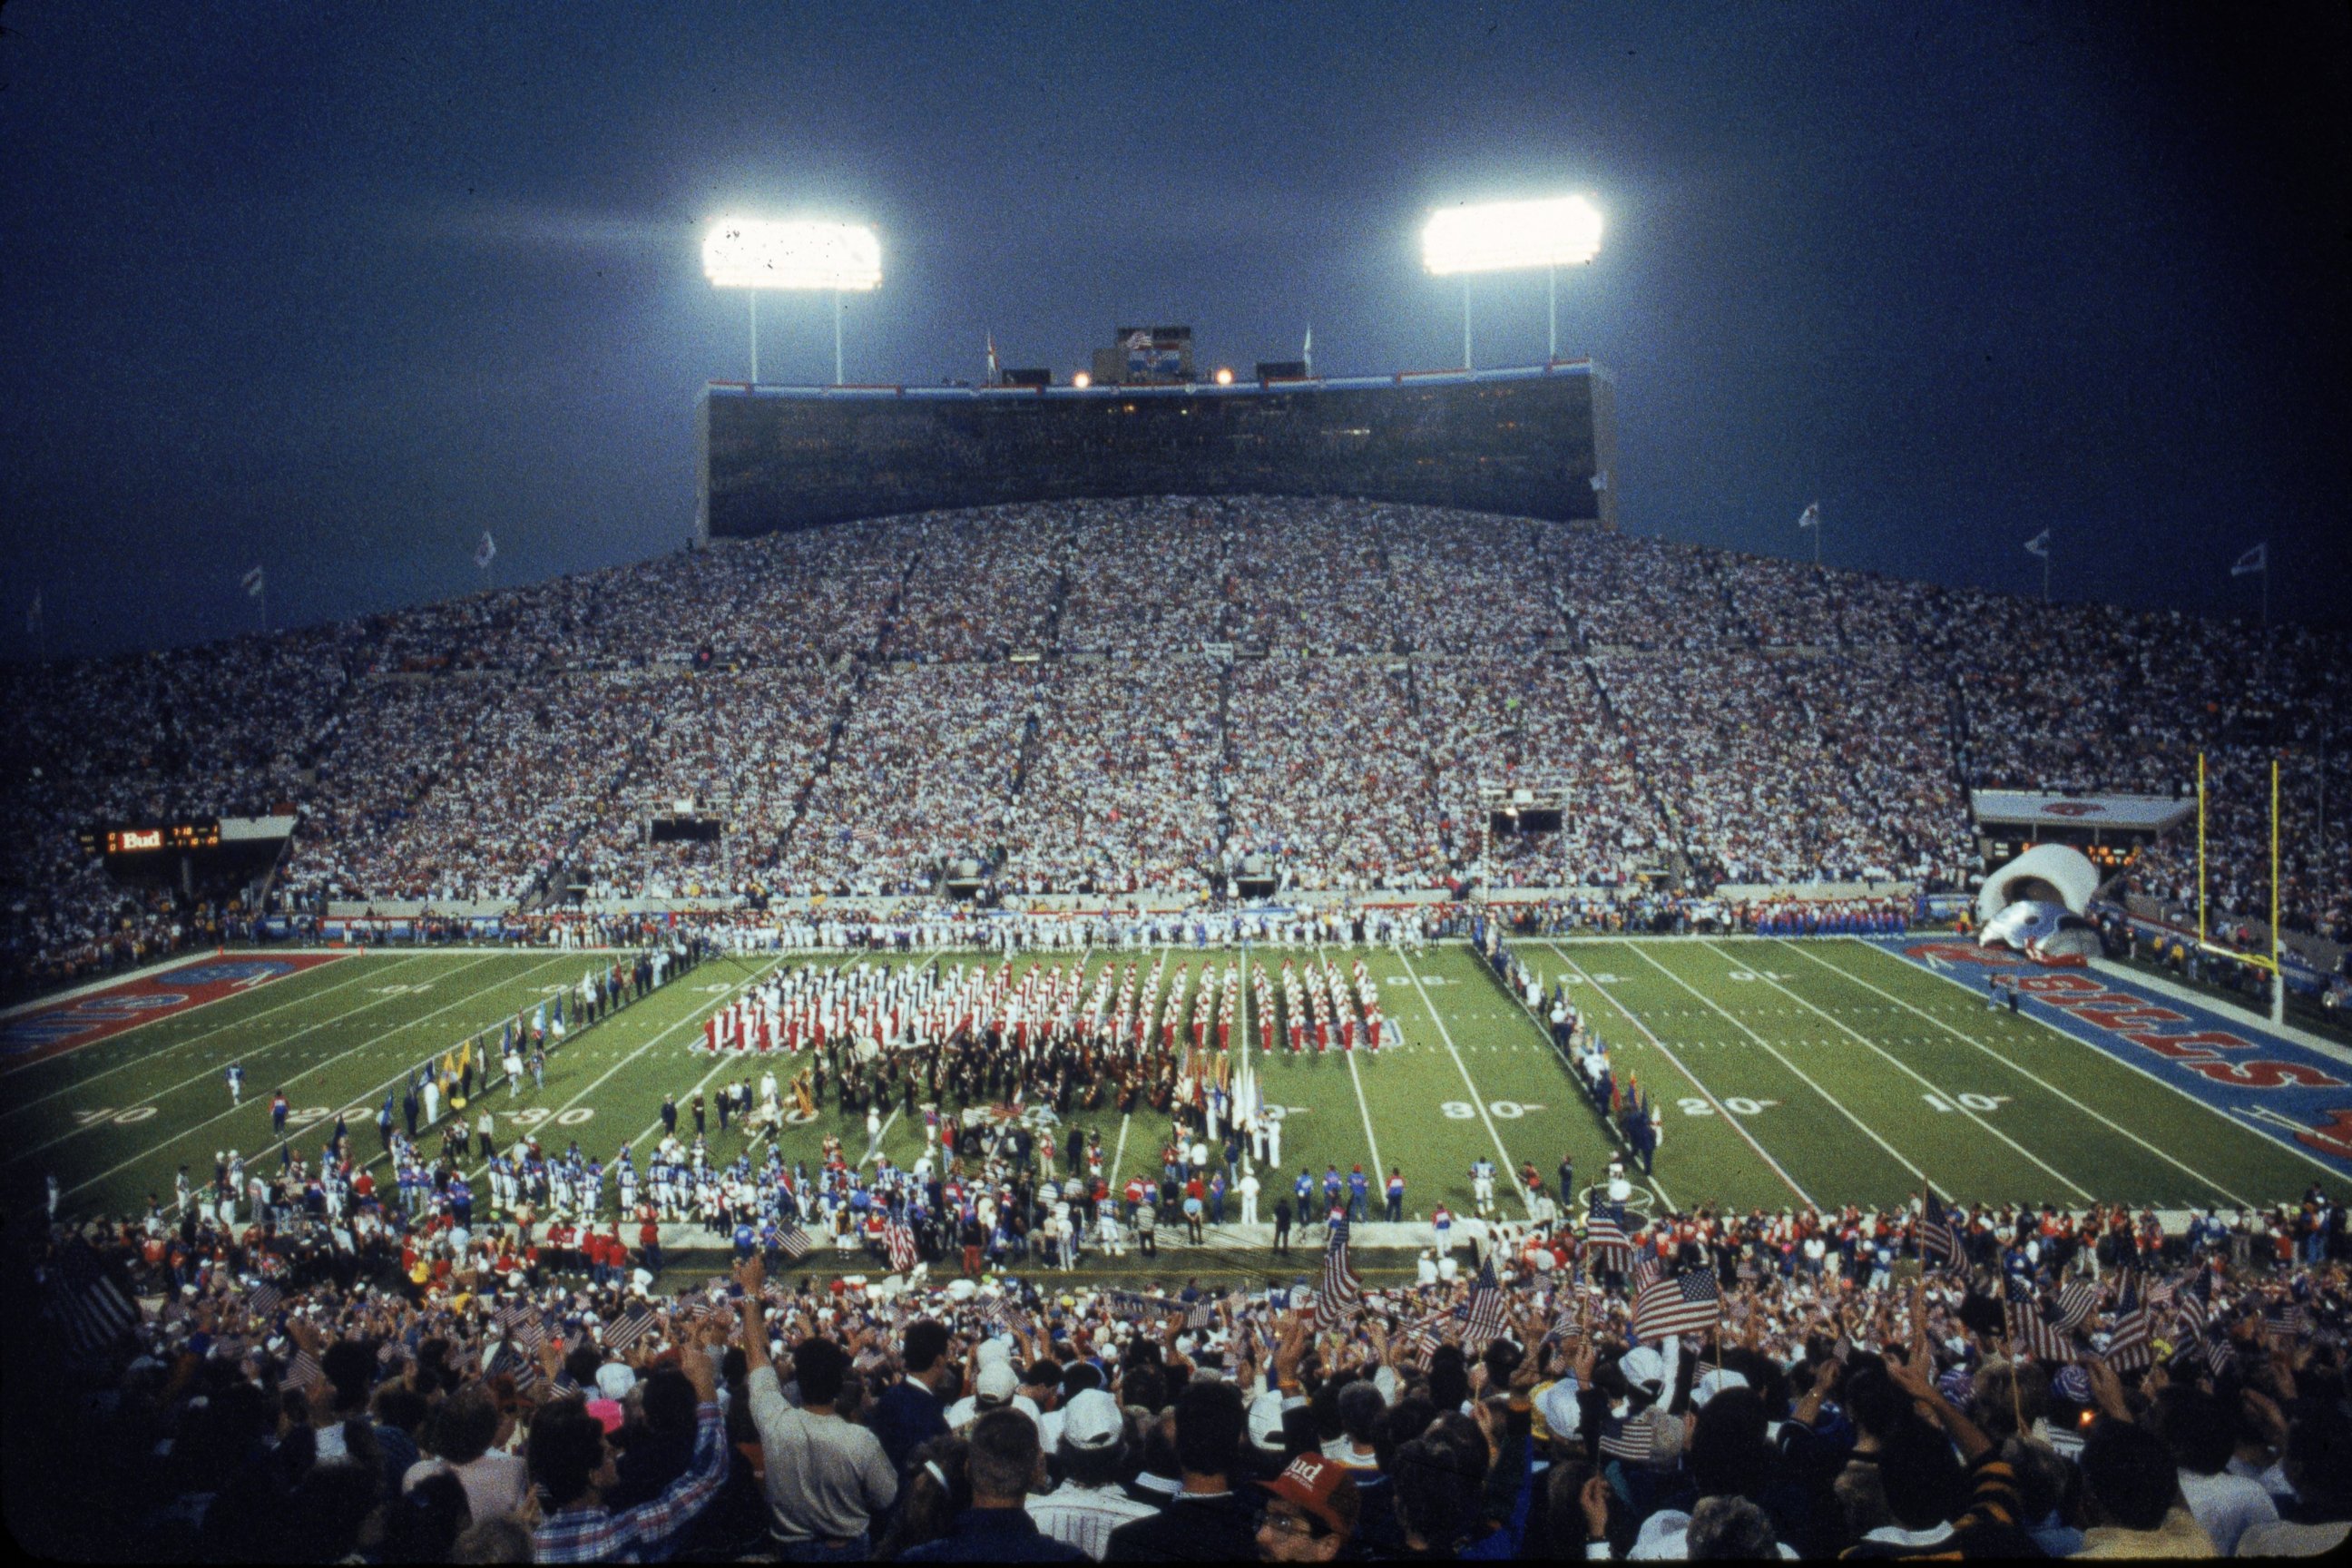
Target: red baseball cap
x,y
1324,1488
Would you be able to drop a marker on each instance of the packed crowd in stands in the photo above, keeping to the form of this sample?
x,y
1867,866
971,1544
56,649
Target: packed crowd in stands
x,y
423,1383
1717,717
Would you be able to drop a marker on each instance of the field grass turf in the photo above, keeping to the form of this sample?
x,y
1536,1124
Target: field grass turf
x,y
1785,1072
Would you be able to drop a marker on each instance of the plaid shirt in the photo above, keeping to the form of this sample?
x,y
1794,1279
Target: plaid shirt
x,y
599,1535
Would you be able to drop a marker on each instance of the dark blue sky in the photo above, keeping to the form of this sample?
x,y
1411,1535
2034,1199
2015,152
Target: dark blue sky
x,y
335,287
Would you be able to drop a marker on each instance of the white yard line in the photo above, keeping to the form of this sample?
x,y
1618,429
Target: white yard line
x,y
2088,1111
1867,1130
1362,1105
1508,1170
1953,1099
151,1057
154,1149
1734,1123
693,1016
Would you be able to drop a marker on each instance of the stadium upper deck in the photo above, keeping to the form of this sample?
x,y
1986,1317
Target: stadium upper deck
x,y
843,702
1533,441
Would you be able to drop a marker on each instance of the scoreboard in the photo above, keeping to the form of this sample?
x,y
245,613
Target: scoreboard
x,y
2108,854
153,838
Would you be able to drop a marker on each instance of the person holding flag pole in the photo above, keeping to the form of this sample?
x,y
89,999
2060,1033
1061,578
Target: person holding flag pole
x,y
2039,545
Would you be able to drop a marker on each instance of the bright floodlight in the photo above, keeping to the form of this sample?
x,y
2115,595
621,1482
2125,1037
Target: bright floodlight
x,y
1224,376
1082,381
747,253
1499,237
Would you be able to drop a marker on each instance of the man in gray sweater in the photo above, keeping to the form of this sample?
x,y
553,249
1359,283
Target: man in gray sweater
x,y
827,1478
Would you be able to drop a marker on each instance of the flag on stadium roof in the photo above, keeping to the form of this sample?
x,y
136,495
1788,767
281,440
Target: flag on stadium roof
x,y
253,582
899,1243
1811,517
1485,1321
2258,559
1939,1240
2039,544
1342,1295
485,551
1689,1303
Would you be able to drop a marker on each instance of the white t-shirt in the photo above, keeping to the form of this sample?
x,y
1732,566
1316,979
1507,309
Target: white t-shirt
x,y
2227,1505
494,1482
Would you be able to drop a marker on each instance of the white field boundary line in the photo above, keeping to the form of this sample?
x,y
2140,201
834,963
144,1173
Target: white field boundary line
x,y
1362,1105
161,1052
1508,1170
1721,1111
1867,1130
692,1016
2071,1040
205,1073
152,1149
1951,1099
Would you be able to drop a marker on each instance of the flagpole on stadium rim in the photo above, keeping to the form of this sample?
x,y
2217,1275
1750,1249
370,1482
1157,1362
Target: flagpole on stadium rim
x,y
1465,336
836,338
2200,851
2278,969
754,295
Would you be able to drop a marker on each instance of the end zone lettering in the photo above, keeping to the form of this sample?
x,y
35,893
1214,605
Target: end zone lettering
x,y
44,1032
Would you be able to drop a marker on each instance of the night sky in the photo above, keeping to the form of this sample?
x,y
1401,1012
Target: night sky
x,y
335,287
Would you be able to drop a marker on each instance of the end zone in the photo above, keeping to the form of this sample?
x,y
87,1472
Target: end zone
x,y
43,1030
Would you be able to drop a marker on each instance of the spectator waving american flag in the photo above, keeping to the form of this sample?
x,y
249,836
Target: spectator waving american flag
x,y
2034,1332
1689,1303
1343,1296
628,1328
792,1241
1485,1318
1604,1237
2131,1347
899,1243
1939,1239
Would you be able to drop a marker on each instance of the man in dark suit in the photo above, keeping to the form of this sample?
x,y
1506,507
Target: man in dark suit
x,y
1208,1520
1282,1217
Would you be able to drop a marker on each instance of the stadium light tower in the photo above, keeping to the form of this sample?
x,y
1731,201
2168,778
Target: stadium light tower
x,y
1511,236
801,253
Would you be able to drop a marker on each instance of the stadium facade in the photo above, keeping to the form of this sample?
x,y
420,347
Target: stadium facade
x,y
1533,441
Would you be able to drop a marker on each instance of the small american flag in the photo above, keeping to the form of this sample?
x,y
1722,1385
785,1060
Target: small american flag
x,y
1342,1294
629,1328
2076,1302
263,1300
1689,1303
1004,1313
2286,1320
1647,1271
2196,1302
1604,1237
303,1371
792,1241
1486,1323
2034,1332
2131,1347
1939,1240
899,1243
1633,1440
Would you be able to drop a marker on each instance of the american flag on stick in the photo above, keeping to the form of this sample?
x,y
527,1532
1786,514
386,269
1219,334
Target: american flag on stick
x,y
1689,1303
2032,1331
303,1372
792,1242
2131,1346
1342,1295
628,1328
899,1243
1486,1321
1605,1240
1939,1240
2076,1302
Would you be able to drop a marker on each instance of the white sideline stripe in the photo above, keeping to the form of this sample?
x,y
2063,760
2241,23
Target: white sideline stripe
x,y
1868,1131
162,1051
154,1149
1508,1170
1951,1098
1734,1123
2053,1089
1362,1105
693,1016
215,1069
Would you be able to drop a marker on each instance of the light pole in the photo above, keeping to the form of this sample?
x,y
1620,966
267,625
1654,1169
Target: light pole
x,y
1511,236
803,254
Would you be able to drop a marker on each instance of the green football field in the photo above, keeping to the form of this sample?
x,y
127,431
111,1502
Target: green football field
x,y
1786,1072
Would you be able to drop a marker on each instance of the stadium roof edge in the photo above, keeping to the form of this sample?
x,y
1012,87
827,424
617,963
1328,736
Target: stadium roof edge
x,y
1239,388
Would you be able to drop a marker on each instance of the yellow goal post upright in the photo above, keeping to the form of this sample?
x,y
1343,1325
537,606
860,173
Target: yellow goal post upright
x,y
2273,962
